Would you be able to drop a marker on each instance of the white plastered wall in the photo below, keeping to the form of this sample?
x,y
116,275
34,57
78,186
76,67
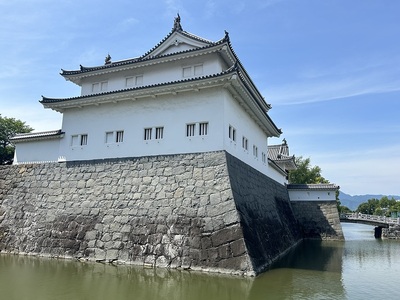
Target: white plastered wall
x,y
37,151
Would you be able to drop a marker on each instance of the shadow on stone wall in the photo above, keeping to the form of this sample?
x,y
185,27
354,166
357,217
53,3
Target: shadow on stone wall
x,y
269,226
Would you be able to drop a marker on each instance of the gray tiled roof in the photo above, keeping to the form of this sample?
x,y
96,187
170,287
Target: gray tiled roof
x,y
319,186
36,135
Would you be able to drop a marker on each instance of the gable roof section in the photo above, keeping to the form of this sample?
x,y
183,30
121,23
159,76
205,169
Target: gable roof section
x,y
279,154
169,46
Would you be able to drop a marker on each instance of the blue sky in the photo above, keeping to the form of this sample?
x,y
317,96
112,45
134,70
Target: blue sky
x,y
330,69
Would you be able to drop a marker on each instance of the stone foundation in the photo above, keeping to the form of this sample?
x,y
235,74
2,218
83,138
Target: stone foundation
x,y
318,219
206,211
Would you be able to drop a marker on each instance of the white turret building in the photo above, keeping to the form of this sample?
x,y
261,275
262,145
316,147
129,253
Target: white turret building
x,y
186,95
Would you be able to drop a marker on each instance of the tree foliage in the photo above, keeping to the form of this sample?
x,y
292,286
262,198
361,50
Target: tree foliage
x,y
305,173
381,207
8,128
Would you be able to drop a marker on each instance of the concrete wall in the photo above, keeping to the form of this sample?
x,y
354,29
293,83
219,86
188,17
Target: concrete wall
x,y
205,211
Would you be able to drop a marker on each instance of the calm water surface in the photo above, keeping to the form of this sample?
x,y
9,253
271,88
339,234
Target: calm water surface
x,y
359,268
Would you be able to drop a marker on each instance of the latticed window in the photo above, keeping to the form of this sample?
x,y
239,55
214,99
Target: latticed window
x,y
119,136
203,128
147,133
159,133
190,129
84,139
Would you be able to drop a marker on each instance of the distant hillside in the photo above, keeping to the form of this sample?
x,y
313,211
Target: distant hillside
x,y
353,202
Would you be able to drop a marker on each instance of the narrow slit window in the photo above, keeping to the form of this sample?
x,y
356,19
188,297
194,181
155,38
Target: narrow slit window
x,y
264,158
232,133
255,151
245,143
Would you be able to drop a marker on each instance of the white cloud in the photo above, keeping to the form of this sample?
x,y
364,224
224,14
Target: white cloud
x,y
341,81
362,171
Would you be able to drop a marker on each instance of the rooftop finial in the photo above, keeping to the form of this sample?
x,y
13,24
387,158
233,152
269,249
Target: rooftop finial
x,y
177,22
108,59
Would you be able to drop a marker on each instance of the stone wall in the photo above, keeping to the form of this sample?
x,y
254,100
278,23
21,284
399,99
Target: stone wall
x,y
318,219
206,211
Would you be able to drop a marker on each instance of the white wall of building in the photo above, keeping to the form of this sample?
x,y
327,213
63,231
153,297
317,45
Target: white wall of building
x,y
154,74
312,195
172,112
37,151
244,125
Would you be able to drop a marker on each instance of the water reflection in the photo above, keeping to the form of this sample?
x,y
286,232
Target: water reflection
x,y
359,268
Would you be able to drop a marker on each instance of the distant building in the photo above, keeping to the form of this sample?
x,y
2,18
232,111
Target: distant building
x,y
186,95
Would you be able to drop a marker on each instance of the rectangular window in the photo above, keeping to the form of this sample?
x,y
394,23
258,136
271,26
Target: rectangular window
x,y
198,70
99,86
255,151
84,139
190,129
129,81
245,143
139,80
95,87
104,86
147,134
159,133
186,71
109,137
75,140
203,128
232,133
119,138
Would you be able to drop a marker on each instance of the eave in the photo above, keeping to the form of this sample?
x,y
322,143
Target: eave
x,y
76,76
135,93
313,187
230,79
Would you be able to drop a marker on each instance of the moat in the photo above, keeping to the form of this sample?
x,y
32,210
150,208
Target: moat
x,y
358,268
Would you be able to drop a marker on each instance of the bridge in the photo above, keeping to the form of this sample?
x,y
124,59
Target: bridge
x,y
378,221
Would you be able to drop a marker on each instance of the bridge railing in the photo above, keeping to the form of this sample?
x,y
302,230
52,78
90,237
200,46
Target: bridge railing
x,y
360,216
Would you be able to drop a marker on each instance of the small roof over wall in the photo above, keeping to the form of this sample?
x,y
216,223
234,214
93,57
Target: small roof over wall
x,y
35,136
313,187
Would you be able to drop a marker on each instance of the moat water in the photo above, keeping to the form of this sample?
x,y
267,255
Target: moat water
x,y
359,268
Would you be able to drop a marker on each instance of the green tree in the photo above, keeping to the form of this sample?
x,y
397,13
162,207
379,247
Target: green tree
x,y
8,128
305,173
368,207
